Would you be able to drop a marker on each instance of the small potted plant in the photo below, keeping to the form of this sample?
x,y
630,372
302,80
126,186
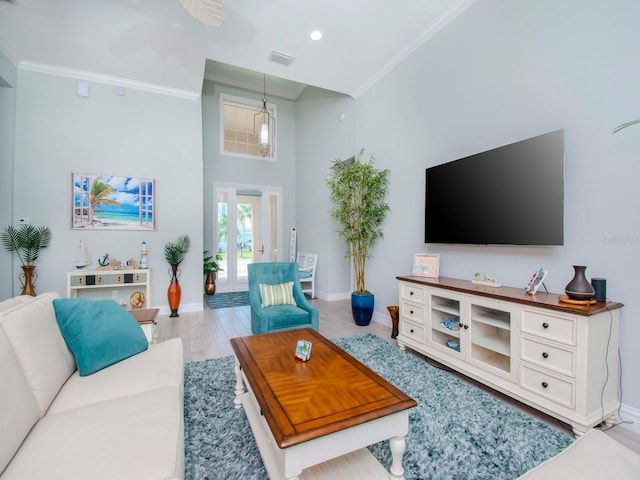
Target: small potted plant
x,y
174,253
28,241
210,269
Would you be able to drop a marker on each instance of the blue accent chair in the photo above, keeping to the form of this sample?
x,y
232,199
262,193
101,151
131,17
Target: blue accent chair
x,y
281,317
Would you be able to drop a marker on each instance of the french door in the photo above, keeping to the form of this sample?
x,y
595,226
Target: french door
x,y
247,229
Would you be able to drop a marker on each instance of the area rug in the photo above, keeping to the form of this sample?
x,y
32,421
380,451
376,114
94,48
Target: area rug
x,y
457,431
227,300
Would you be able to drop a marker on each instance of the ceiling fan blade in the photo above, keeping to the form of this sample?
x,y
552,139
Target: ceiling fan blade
x,y
207,12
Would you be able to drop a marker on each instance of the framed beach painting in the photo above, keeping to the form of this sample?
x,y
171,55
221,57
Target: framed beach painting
x,y
426,264
107,202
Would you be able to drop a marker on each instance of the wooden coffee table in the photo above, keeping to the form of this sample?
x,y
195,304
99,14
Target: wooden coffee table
x,y
306,413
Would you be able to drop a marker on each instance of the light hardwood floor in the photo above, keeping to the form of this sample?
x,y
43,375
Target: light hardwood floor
x,y
206,335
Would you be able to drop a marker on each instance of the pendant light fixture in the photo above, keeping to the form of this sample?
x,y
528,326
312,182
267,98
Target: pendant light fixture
x,y
264,125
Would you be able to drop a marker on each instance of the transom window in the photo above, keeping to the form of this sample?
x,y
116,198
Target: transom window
x,y
241,129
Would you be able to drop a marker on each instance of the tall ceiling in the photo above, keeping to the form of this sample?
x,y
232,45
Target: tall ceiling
x,y
156,42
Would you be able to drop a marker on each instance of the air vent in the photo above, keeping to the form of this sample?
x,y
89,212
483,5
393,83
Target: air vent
x,y
281,58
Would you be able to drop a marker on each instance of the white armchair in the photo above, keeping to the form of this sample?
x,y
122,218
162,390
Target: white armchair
x,y
307,272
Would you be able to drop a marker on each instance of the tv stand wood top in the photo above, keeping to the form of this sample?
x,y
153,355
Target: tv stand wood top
x,y
510,294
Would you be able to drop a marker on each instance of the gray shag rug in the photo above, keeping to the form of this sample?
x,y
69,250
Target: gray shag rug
x,y
457,431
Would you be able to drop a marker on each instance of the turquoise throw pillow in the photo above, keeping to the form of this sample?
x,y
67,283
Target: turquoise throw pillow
x,y
98,332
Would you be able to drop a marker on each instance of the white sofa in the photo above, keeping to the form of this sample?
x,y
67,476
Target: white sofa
x,y
122,422
593,456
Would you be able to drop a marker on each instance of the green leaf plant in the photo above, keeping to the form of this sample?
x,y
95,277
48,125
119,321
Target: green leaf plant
x,y
357,192
174,252
27,240
625,125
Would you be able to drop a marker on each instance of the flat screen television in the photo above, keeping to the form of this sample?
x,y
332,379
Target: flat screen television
x,y
511,195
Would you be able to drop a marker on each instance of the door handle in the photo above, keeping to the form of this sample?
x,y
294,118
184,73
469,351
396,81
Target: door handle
x,y
261,249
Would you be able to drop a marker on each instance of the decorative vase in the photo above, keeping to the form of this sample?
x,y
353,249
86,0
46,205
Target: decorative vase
x,y
27,280
394,312
362,308
174,291
210,284
579,287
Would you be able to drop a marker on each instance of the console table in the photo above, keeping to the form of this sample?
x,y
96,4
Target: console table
x,y
559,358
82,280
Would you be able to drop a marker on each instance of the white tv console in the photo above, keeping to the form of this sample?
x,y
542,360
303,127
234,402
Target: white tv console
x,y
559,358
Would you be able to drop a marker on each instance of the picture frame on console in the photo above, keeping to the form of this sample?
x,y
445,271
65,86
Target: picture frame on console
x,y
426,265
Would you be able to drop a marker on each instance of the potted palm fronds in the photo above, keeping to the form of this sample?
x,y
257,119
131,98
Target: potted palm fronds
x,y
625,125
210,268
174,253
358,191
28,241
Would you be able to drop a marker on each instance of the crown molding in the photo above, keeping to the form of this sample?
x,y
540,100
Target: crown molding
x,y
433,28
107,80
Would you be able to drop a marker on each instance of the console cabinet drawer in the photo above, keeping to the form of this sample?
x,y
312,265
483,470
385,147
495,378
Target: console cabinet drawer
x,y
548,356
412,293
554,327
412,312
412,331
558,390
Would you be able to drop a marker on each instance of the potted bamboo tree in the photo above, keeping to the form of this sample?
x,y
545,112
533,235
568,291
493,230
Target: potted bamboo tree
x,y
28,241
358,191
174,253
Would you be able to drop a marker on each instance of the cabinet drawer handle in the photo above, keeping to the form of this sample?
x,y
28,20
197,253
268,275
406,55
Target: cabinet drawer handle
x,y
411,293
545,355
411,312
411,330
545,384
545,325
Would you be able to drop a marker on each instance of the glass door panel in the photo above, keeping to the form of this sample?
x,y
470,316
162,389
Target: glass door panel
x,y
445,324
247,229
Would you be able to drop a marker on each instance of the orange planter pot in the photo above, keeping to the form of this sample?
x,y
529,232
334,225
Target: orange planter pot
x,y
173,292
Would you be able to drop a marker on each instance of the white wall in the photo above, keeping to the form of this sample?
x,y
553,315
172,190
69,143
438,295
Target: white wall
x,y
505,71
8,77
325,131
140,134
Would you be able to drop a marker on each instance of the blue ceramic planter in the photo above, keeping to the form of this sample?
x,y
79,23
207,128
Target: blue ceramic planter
x,y
362,308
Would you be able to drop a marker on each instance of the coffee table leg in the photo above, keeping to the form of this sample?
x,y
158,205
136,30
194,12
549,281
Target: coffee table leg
x,y
397,446
239,390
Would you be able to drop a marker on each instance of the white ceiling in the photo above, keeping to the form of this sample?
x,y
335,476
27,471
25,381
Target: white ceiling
x,y
156,42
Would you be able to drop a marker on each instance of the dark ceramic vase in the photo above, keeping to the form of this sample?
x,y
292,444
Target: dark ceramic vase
x,y
579,287
362,308
210,284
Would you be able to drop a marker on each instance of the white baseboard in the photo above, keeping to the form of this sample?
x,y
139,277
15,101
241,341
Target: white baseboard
x,y
186,307
631,417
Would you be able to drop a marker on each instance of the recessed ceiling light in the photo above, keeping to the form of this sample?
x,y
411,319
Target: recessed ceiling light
x,y
316,35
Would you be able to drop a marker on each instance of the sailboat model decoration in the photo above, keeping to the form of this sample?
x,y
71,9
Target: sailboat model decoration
x,y
83,256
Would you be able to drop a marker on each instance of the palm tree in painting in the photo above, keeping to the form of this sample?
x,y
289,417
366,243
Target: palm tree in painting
x,y
100,192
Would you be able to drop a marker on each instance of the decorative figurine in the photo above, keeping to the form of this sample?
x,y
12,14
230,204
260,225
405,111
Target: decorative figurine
x,y
143,255
105,260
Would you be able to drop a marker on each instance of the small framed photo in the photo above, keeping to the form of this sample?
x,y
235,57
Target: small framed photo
x,y
303,350
426,264
536,280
